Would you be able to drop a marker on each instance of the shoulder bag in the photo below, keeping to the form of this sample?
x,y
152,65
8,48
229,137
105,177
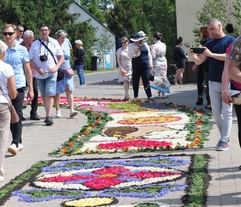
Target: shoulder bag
x,y
14,115
60,75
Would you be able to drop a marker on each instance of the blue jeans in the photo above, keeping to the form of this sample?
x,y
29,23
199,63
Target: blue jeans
x,y
222,112
80,72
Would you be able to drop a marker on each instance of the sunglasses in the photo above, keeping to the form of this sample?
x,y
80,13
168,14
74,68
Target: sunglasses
x,y
8,33
125,42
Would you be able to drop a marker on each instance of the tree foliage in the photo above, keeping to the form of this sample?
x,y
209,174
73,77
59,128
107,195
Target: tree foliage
x,y
215,9
128,17
237,13
211,9
54,13
98,8
32,14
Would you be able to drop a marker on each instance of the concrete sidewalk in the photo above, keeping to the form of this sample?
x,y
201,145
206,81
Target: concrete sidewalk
x,y
39,140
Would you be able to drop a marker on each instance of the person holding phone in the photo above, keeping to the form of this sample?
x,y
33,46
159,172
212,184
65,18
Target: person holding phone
x,y
215,52
202,71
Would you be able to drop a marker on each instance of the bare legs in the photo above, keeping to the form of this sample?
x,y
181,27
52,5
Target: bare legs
x,y
126,86
70,99
178,78
48,104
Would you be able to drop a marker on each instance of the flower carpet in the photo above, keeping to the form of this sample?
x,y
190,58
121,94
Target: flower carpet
x,y
119,126
148,180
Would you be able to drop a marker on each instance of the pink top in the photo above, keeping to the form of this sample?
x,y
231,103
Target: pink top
x,y
236,84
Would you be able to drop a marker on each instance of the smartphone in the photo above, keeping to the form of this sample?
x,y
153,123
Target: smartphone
x,y
198,50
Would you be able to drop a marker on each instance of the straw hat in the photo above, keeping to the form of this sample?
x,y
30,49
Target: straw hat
x,y
139,36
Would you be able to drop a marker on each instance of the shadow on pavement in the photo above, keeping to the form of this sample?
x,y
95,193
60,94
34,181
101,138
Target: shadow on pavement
x,y
107,82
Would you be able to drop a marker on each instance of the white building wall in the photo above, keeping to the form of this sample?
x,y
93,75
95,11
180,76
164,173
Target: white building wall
x,y
186,17
100,29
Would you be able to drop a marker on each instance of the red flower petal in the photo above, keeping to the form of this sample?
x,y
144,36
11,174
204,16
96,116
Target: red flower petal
x,y
111,170
145,175
102,183
134,143
61,178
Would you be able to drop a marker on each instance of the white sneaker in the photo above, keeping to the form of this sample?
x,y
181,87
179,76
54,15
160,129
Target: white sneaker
x,y
20,146
58,114
13,149
1,178
73,114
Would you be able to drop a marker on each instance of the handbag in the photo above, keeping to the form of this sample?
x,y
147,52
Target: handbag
x,y
14,115
60,75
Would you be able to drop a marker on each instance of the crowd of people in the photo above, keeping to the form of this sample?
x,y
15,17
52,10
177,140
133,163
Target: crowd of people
x,y
217,59
26,65
44,64
138,60
217,54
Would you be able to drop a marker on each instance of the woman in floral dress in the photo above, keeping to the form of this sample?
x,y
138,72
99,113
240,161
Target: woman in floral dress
x,y
158,52
124,63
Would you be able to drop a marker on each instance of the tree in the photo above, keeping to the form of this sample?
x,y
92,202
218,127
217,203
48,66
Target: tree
x,y
128,17
237,13
211,9
97,8
86,33
162,17
32,14
53,13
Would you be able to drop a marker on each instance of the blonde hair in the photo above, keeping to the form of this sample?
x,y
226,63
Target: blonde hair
x,y
3,47
10,25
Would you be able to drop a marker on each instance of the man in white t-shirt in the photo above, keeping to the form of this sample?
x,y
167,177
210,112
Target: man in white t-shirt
x,y
46,57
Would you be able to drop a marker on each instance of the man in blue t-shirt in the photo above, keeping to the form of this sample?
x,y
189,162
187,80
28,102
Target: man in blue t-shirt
x,y
17,56
215,52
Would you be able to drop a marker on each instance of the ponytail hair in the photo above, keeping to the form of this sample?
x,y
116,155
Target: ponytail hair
x,y
179,40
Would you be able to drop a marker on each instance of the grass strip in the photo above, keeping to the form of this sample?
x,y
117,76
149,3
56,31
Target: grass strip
x,y
19,181
198,181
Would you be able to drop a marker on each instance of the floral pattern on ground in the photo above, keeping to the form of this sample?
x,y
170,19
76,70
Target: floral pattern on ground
x,y
147,178
106,177
139,128
63,179
90,202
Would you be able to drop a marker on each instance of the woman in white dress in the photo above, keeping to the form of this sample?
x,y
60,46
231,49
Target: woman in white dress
x,y
124,64
7,91
158,52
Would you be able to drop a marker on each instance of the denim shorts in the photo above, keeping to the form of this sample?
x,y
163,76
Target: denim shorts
x,y
67,82
47,86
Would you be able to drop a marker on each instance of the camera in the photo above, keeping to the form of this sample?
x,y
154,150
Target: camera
x,y
43,58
